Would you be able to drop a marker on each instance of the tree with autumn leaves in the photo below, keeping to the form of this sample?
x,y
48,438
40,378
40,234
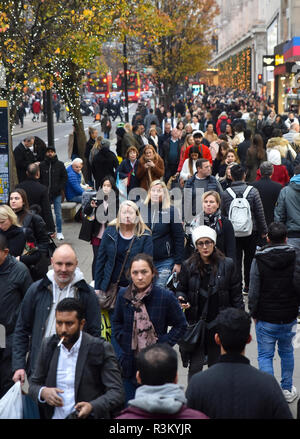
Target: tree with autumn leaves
x,y
185,50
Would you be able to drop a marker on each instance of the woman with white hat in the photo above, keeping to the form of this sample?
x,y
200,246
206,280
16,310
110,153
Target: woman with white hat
x,y
207,284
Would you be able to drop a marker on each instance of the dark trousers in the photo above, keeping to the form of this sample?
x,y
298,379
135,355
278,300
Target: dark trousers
x,y
95,252
197,358
6,374
245,247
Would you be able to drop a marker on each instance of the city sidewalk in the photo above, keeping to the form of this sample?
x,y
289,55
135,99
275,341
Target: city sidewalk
x,y
29,125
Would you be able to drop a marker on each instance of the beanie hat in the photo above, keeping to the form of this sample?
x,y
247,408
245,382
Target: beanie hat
x,y
274,156
51,147
203,232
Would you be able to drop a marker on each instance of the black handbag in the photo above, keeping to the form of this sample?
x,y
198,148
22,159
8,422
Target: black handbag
x,y
194,335
86,229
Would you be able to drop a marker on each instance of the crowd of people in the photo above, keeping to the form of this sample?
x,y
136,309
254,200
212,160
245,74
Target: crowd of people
x,y
194,230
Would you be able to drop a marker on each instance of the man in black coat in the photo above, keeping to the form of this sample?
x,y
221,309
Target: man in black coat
x,y
24,155
104,163
37,194
54,176
232,388
268,190
82,368
170,153
14,282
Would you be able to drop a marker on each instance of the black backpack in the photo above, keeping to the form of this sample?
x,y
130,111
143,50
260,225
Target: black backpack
x,y
223,125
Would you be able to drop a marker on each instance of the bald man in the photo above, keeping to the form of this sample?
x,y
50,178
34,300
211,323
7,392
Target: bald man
x,y
36,318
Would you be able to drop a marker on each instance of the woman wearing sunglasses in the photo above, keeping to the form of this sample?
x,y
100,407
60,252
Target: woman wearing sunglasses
x,y
207,284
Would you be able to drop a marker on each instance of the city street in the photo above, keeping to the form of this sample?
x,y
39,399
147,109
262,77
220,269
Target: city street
x,y
84,250
62,131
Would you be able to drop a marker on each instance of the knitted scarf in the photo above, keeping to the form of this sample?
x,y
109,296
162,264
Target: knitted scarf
x,y
213,221
143,332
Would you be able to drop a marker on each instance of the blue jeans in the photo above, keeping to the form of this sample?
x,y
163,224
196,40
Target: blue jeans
x,y
267,335
57,211
164,269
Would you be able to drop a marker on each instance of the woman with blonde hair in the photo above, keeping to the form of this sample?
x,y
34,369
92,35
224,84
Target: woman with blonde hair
x,y
11,229
167,231
126,233
153,138
151,167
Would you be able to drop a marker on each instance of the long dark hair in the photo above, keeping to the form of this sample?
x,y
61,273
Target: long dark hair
x,y
25,209
193,150
197,262
257,148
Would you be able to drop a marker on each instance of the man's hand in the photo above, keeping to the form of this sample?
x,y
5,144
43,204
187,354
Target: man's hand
x,y
50,395
53,235
83,409
19,375
183,305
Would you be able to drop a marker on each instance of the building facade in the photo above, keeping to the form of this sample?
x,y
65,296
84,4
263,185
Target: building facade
x,y
258,48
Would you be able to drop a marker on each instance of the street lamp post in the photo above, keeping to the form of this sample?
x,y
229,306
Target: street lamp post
x,y
125,79
50,125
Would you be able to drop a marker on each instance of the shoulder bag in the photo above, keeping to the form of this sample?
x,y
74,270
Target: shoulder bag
x,y
107,299
194,335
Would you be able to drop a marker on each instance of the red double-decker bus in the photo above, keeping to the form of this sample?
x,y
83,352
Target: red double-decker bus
x,y
99,85
133,84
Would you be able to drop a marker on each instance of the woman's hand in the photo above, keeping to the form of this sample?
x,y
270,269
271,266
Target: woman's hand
x,y
93,204
183,303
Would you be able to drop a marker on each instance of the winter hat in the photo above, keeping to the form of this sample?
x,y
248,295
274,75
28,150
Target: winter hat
x,y
203,232
274,156
51,147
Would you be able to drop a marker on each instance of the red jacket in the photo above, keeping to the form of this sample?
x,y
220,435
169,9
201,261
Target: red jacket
x,y
36,107
280,175
218,124
204,150
184,413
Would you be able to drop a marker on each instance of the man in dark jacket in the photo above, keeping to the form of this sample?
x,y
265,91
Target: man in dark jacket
x,y
54,176
274,297
268,190
82,367
104,163
247,244
36,319
170,153
37,193
194,188
159,396
14,282
232,388
24,155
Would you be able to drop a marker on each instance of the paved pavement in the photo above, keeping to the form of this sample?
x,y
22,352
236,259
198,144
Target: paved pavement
x,y
84,253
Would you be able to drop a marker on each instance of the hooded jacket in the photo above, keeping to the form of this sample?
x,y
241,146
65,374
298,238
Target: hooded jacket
x,y
104,163
33,316
274,292
287,210
165,401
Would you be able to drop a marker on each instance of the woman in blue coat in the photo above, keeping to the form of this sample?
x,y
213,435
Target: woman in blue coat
x,y
115,242
167,231
128,167
142,316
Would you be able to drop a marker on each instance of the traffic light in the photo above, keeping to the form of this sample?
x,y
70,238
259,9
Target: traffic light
x,y
260,78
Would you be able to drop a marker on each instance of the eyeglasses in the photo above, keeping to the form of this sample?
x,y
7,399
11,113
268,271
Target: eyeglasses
x,y
204,243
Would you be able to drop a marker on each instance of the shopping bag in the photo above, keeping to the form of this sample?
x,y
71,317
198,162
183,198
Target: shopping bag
x,y
122,188
11,406
105,325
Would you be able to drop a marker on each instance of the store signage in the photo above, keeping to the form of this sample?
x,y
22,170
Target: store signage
x,y
268,60
279,59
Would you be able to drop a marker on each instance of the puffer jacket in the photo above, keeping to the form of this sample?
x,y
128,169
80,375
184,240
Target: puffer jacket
x,y
287,210
225,291
274,291
257,209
